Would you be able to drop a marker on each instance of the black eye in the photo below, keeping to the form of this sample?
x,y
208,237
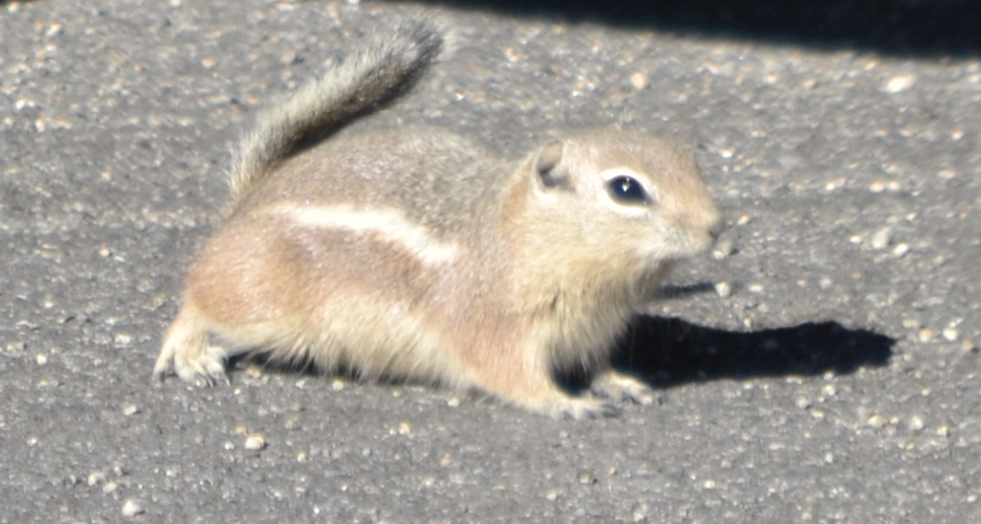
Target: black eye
x,y
627,190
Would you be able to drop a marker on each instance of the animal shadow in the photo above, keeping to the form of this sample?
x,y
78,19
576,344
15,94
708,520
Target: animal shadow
x,y
667,352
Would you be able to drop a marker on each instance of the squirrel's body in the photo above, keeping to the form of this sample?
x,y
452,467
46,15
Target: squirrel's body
x,y
416,253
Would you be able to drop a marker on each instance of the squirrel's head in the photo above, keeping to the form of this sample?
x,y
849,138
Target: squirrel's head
x,y
625,198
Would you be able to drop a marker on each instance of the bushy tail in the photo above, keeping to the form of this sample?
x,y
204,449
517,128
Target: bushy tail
x,y
378,73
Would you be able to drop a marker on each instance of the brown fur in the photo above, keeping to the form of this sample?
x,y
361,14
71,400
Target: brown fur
x,y
416,253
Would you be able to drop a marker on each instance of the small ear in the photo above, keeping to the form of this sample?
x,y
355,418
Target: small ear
x,y
546,163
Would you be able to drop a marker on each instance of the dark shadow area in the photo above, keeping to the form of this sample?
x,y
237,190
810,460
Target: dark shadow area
x,y
668,352
938,27
672,291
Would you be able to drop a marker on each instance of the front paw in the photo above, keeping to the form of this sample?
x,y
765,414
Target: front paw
x,y
583,408
205,367
615,385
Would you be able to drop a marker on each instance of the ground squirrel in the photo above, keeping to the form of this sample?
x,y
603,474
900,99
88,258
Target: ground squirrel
x,y
417,254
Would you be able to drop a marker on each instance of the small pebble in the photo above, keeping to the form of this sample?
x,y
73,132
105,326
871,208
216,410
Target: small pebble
x,y
877,421
587,476
552,495
130,409
337,384
55,30
640,515
255,442
803,402
950,333
405,428
881,238
915,423
899,83
926,335
288,57
901,249
41,359
110,487
96,478
723,289
24,103
132,508
638,80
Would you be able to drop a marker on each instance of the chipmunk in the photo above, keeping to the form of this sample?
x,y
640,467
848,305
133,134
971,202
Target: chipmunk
x,y
418,254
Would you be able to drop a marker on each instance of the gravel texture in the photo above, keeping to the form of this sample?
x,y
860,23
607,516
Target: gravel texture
x,y
820,365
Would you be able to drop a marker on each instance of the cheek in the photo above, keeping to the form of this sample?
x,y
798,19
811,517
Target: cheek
x,y
630,236
653,240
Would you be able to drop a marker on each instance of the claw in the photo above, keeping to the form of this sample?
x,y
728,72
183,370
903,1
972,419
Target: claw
x,y
582,408
618,386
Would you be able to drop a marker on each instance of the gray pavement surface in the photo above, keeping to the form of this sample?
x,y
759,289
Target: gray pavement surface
x,y
823,368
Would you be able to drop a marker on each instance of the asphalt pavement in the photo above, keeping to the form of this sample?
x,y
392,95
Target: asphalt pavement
x,y
821,365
